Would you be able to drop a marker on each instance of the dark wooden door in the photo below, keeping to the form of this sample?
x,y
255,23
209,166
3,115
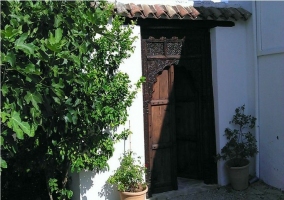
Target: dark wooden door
x,y
162,132
187,104
178,107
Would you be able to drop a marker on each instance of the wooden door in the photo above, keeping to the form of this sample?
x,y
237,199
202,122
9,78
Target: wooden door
x,y
187,118
162,133
178,107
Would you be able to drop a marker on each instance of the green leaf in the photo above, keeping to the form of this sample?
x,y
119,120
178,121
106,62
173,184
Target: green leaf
x,y
3,163
53,40
58,92
4,89
74,119
58,35
21,39
53,47
19,18
20,44
4,116
1,140
35,98
32,132
77,102
26,19
56,99
18,125
42,54
68,117
30,68
10,58
34,113
57,21
76,59
59,84
10,32
68,101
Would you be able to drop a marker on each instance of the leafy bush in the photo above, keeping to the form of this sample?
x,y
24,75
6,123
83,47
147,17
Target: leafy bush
x,y
129,177
241,145
61,89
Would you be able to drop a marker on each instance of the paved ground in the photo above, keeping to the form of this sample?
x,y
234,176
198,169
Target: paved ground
x,y
196,190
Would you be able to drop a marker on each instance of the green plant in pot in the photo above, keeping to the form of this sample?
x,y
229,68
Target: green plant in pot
x,y
129,178
241,145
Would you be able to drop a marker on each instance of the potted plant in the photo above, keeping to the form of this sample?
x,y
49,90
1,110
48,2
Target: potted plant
x,y
240,146
129,178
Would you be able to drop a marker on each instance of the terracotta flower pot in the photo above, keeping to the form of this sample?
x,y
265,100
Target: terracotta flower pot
x,y
133,195
239,175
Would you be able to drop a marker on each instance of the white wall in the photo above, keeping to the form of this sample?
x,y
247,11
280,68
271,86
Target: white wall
x,y
233,75
243,73
270,57
264,61
89,185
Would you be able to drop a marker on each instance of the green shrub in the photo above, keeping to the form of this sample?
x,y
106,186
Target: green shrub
x,y
61,88
241,142
129,176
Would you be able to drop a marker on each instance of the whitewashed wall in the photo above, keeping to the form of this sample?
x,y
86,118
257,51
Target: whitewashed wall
x,y
270,58
245,71
233,81
92,186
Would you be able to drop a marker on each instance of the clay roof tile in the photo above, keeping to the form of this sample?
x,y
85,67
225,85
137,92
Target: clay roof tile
x,y
201,11
160,11
148,12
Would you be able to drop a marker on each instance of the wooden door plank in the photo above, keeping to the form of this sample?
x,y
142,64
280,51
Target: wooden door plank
x,y
164,85
162,169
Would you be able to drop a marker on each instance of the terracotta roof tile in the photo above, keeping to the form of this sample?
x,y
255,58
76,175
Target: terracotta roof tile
x,y
160,11
171,11
198,12
148,12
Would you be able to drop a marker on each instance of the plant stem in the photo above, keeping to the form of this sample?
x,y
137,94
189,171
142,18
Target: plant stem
x,y
47,185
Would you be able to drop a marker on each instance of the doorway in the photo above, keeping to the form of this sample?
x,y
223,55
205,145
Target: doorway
x,y
178,107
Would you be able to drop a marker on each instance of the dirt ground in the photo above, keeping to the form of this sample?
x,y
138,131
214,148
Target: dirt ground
x,y
256,191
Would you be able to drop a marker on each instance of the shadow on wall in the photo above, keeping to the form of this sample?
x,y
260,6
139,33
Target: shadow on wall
x,y
86,178
86,181
109,192
75,186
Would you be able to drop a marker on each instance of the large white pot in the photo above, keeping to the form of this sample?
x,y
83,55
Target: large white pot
x,y
239,176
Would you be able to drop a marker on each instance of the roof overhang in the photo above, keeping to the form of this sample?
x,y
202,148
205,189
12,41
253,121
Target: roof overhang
x,y
199,11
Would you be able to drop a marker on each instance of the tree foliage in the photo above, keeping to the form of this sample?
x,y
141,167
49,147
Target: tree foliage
x,y
241,142
129,176
61,90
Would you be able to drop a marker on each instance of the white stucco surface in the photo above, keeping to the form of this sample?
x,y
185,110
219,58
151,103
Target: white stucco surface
x,y
247,68
270,49
231,84
271,103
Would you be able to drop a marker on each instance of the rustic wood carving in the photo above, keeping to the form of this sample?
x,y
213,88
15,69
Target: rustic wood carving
x,y
152,67
155,48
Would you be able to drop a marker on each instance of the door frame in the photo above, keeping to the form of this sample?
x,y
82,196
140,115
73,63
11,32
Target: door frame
x,y
157,25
